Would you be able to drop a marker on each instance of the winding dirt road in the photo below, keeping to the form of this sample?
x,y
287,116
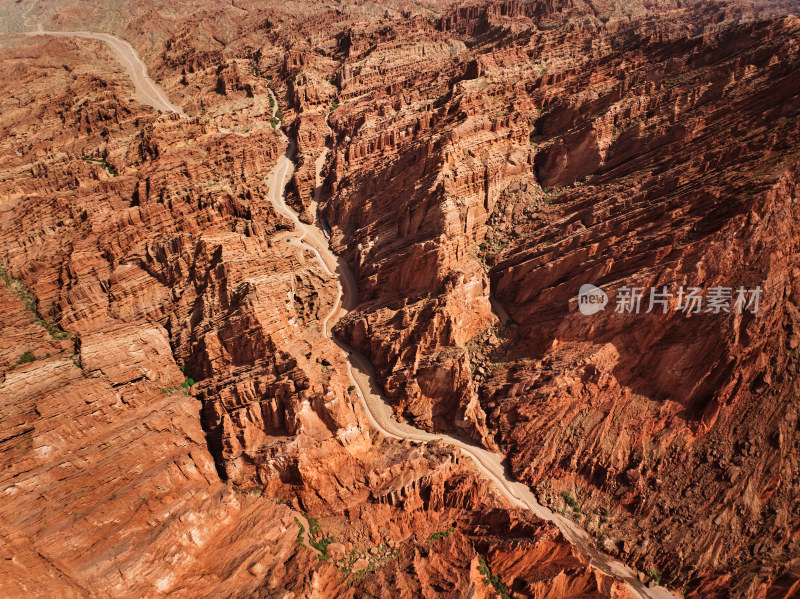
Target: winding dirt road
x,y
360,371
147,91
379,413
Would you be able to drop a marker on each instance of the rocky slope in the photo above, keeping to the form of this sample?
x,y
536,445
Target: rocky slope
x,y
172,416
487,159
685,423
634,152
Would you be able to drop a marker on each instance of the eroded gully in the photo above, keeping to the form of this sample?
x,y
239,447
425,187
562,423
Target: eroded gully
x,y
359,369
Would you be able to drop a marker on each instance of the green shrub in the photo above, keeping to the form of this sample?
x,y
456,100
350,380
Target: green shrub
x,y
321,545
313,525
441,535
27,358
300,533
491,579
655,575
571,501
101,161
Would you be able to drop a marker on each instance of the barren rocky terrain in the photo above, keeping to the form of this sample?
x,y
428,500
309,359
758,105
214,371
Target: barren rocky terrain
x,y
175,419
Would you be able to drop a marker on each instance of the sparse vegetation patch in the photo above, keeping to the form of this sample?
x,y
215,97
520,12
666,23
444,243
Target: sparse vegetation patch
x,y
30,302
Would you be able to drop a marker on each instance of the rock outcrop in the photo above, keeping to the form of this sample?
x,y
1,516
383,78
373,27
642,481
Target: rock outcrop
x,y
616,153
167,394
173,418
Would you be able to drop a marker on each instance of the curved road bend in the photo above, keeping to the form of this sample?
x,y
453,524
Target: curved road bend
x,y
359,369
379,413
147,91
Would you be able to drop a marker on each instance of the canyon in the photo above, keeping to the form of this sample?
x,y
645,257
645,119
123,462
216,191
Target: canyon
x,y
201,394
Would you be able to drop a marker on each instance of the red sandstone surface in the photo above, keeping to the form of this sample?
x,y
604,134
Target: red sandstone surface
x,y
174,420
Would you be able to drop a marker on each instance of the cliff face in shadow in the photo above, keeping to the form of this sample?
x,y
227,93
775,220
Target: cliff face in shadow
x,y
650,152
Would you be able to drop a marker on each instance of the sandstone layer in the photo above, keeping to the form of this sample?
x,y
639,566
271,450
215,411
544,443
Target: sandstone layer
x,y
174,420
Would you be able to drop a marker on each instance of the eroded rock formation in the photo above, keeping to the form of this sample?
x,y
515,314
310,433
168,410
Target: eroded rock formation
x,y
174,421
